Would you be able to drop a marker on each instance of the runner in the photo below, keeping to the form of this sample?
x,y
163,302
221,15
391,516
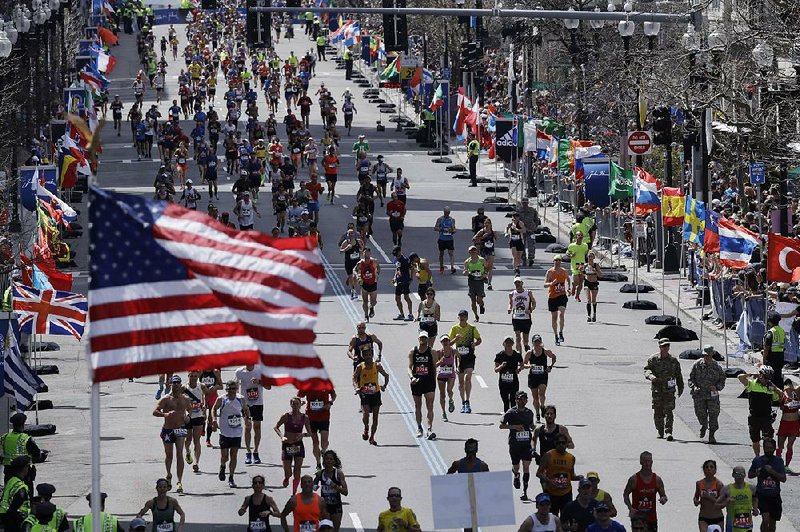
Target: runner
x,y
197,393
467,338
664,373
539,374
428,315
475,270
541,520
381,172
601,496
507,365
397,518
348,108
175,408
516,233
591,276
446,227
576,252
367,272
296,426
244,212
740,501
789,427
484,239
544,436
641,491
307,508
333,485
318,410
330,164
351,246
259,507
554,281
770,472
706,493
423,382
579,514
227,413
396,211
521,305
446,369
470,463
761,393
367,385
400,186
402,283
557,472
212,380
518,420
362,342
249,379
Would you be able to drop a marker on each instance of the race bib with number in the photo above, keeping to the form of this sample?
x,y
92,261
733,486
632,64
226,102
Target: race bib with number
x,y
515,237
292,450
537,370
446,370
427,319
507,377
561,481
523,435
355,255
558,288
316,406
196,406
395,214
769,483
208,381
235,421
463,350
421,371
308,526
369,389
743,521
180,433
646,504
252,393
476,275
671,383
165,527
258,525
520,314
488,244
792,405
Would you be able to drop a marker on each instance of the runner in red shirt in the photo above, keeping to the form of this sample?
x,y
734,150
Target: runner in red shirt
x,y
331,165
396,211
643,490
318,410
315,188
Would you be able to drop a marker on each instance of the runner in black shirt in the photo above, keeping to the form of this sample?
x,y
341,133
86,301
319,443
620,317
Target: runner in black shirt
x,y
519,423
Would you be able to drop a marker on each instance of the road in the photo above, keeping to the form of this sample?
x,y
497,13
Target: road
x,y
598,383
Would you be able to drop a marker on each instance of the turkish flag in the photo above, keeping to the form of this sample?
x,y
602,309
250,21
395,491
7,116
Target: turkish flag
x,y
783,256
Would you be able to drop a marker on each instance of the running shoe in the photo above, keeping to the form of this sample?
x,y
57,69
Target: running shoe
x,y
483,309
371,312
669,437
169,482
578,298
463,408
410,318
524,496
588,319
557,342
179,487
222,473
373,442
159,392
208,443
286,482
248,458
188,456
538,418
444,417
231,483
453,270
594,318
365,436
399,317
432,436
467,408
256,458
441,269
419,432
561,336
516,481
489,286
451,407
196,468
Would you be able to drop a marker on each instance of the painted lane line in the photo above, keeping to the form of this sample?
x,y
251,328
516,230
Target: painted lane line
x,y
380,249
481,382
356,522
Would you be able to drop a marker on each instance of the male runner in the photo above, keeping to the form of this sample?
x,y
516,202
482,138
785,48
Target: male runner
x,y
770,472
318,410
557,472
466,338
446,227
175,409
521,304
555,281
396,211
422,373
519,423
475,270
402,283
227,413
249,379
366,383
577,253
641,491
367,271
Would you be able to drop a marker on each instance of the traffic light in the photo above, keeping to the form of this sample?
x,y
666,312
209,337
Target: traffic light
x,y
259,25
474,54
464,54
395,28
662,126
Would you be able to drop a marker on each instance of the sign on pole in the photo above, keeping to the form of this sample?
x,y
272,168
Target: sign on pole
x,y
758,172
640,142
470,500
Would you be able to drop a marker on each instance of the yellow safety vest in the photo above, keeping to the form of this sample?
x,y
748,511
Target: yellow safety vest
x,y
320,41
108,523
14,485
14,444
474,147
778,339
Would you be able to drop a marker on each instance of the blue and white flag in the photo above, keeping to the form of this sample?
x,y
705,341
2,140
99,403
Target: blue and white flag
x,y
19,379
736,244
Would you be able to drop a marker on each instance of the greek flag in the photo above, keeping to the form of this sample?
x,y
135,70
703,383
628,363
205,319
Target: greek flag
x,y
19,379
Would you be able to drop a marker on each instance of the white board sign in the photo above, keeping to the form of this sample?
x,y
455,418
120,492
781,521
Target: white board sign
x,y
494,499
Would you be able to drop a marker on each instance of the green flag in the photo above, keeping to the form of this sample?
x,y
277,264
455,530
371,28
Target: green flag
x,y
564,148
620,182
391,71
551,127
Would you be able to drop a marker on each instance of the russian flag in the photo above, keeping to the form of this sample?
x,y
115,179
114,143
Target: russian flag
x,y
711,240
736,244
543,141
646,196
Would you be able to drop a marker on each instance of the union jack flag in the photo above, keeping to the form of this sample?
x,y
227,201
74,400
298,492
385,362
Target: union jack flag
x,y
50,311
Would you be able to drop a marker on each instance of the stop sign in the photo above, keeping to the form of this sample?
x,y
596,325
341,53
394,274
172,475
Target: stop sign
x,y
640,142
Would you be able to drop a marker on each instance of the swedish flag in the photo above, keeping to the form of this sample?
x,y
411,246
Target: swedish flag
x,y
694,221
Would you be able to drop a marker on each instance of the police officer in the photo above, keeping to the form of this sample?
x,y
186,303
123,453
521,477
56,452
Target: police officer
x,y
706,379
320,47
664,373
108,522
58,520
474,151
15,505
39,520
17,443
773,349
348,63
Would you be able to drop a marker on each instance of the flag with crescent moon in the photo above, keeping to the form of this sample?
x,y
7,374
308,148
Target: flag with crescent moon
x,y
783,256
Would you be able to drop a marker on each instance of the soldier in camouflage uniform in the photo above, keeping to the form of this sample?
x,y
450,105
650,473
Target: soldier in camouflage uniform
x,y
664,373
706,379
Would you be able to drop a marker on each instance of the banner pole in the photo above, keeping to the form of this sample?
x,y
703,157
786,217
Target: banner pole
x,y
702,298
725,323
663,275
635,253
680,280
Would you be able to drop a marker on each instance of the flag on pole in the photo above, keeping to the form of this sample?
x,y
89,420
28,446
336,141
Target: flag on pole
x,y
39,274
438,99
672,206
49,311
711,238
781,261
620,182
19,380
736,244
416,80
68,214
694,221
174,290
107,36
392,70
646,196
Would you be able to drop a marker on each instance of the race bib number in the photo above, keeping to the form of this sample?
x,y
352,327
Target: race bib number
x,y
743,521
515,237
368,275
316,406
714,395
252,394
258,525
561,481
395,214
488,244
767,483
646,504
792,405
196,406
164,527
523,435
180,433
537,370
181,161
463,350
558,288
208,381
369,389
292,450
308,526
445,371
671,383
520,314
234,421
507,377
476,275
427,319
421,371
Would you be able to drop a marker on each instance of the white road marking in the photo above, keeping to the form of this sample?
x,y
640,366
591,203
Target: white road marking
x,y
344,206
481,382
416,295
356,522
380,249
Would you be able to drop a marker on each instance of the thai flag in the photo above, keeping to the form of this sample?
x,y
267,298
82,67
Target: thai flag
x,y
736,244
646,196
543,141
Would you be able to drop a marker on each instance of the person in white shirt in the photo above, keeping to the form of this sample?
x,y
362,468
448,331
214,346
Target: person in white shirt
x,y
190,196
249,379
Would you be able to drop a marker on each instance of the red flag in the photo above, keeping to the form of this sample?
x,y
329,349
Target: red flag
x,y
59,280
673,206
492,150
783,257
107,36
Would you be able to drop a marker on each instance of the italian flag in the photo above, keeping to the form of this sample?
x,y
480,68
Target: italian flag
x,y
438,99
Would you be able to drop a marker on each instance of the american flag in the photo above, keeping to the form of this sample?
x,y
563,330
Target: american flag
x,y
171,289
19,380
49,311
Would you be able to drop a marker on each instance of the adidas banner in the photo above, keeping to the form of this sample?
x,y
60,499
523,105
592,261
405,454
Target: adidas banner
x,y
507,140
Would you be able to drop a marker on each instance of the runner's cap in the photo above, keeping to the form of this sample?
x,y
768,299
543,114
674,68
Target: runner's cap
x,y
708,349
176,379
537,338
593,474
517,280
423,334
543,498
558,257
508,339
463,312
664,341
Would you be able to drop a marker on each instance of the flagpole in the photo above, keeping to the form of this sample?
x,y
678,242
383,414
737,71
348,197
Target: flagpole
x,y
35,366
724,322
635,253
702,297
663,275
680,279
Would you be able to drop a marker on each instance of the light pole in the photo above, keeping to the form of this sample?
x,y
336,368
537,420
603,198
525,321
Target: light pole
x,y
572,25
